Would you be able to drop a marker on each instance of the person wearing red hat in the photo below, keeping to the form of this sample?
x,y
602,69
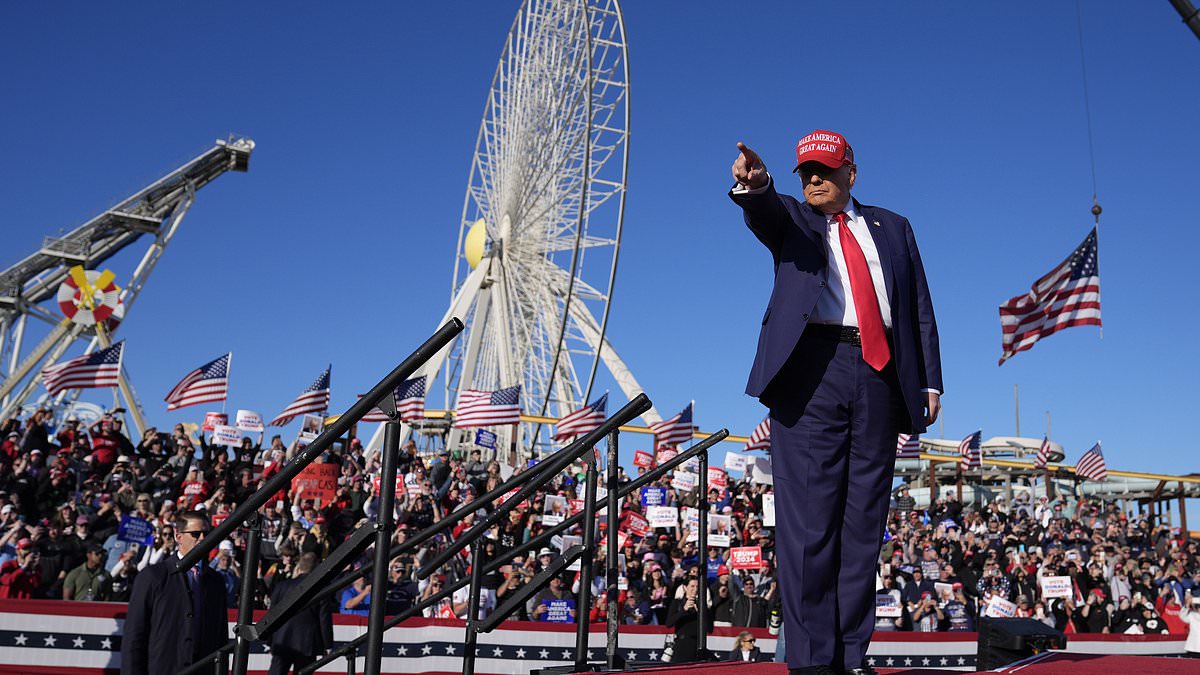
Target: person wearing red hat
x,y
847,358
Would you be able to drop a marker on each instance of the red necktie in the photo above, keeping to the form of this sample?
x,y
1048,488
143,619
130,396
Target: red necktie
x,y
866,304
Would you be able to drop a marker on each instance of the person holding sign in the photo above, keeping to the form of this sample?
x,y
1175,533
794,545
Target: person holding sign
x,y
847,358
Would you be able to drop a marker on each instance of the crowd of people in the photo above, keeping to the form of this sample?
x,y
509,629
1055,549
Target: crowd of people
x,y
83,509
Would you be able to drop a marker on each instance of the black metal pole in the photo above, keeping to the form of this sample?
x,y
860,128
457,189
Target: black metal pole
x,y
245,615
283,479
613,571
702,535
583,599
471,638
387,502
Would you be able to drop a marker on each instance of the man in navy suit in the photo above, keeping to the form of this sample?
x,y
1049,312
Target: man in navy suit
x,y
847,358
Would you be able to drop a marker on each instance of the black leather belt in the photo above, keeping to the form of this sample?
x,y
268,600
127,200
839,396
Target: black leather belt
x,y
824,331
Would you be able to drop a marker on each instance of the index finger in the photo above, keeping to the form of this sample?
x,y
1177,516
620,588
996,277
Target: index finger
x,y
749,154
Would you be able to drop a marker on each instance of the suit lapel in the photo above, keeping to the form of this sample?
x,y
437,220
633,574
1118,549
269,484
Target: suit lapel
x,y
879,234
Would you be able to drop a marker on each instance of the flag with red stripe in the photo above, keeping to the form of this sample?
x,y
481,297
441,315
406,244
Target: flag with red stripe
x,y
315,399
908,446
1043,454
478,408
760,438
674,431
1092,465
1068,296
972,454
208,383
90,371
582,421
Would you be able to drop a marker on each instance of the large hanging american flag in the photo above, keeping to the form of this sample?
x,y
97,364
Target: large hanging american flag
x,y
760,438
90,371
674,431
1043,454
1092,465
972,455
315,399
208,383
908,446
585,420
488,408
1068,296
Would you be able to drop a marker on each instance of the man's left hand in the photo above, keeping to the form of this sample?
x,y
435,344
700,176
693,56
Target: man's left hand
x,y
933,405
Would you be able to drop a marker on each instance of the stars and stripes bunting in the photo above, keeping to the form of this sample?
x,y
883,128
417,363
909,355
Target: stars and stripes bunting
x,y
410,402
582,421
1092,465
477,408
972,455
760,438
1068,296
208,383
908,446
90,371
1043,454
315,399
676,430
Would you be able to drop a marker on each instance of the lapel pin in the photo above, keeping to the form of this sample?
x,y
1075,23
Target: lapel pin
x,y
876,223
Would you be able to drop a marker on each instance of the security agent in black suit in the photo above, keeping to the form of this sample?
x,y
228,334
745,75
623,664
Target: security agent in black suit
x,y
300,640
174,618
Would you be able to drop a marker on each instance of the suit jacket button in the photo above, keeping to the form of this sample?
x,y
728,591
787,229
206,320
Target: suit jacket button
x,y
804,316
822,284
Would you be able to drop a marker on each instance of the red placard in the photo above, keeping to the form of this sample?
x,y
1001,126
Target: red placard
x,y
212,419
576,505
637,525
399,483
665,455
745,557
717,477
643,459
319,481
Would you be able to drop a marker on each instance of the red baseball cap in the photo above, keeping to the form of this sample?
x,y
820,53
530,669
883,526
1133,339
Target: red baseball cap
x,y
827,147
722,569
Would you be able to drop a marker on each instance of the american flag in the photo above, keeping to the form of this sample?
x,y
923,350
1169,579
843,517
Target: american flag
x,y
760,438
582,421
972,456
1043,455
410,402
908,446
315,399
1068,296
674,431
374,415
488,408
98,369
1092,465
208,383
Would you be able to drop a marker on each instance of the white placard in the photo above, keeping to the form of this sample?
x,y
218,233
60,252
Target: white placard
x,y
555,510
226,435
570,540
718,530
663,516
941,588
310,428
735,461
248,420
684,480
999,607
1057,587
886,606
768,509
760,471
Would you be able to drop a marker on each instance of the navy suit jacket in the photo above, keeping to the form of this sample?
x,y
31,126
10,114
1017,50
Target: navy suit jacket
x,y
310,631
794,232
157,636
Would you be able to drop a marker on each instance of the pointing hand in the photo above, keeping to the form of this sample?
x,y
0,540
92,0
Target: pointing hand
x,y
748,168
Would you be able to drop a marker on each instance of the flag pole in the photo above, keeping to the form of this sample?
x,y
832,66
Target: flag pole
x,y
1017,408
228,377
122,382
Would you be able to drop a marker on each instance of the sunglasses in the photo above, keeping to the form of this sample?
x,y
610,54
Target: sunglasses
x,y
195,533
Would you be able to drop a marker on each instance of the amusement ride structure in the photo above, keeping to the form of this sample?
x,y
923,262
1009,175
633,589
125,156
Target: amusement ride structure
x,y
63,271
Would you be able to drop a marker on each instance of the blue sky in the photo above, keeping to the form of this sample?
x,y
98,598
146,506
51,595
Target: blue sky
x,y
337,245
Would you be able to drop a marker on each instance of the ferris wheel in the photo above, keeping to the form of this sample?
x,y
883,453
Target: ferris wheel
x,y
536,260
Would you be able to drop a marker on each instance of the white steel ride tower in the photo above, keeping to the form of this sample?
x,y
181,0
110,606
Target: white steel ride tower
x,y
28,288
537,250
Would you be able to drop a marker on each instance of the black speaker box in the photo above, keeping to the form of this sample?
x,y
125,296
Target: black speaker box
x,y
1003,641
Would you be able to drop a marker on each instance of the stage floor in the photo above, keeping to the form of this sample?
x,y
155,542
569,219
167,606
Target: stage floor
x,y
1049,663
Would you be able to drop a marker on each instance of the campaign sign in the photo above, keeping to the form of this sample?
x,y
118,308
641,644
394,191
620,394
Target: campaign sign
x,y
941,589
485,439
716,477
654,496
759,471
931,568
735,461
554,510
136,530
684,480
718,531
559,611
310,428
1057,587
576,505
568,541
768,509
226,435
377,480
665,455
212,419
248,420
745,557
637,524
663,516
886,606
643,459
319,481
999,607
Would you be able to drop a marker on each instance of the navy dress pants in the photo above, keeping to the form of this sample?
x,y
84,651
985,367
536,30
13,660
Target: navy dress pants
x,y
834,422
